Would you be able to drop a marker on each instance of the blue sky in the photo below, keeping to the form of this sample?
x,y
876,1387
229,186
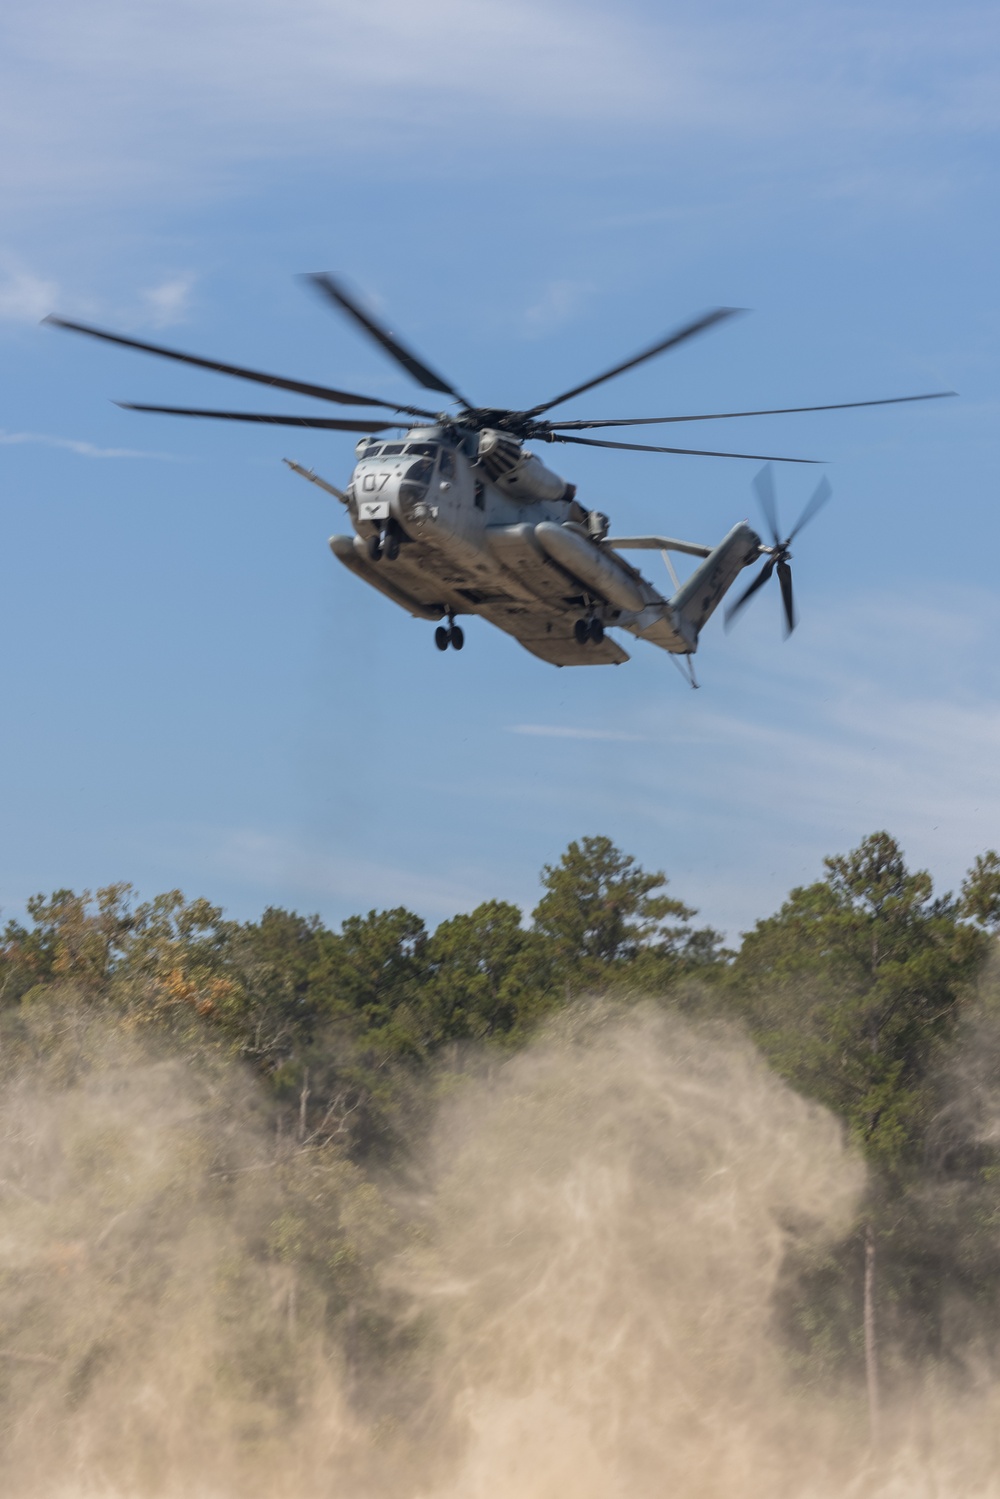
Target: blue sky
x,y
198,696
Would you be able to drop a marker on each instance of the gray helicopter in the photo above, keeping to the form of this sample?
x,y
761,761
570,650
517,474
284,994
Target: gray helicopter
x,y
456,517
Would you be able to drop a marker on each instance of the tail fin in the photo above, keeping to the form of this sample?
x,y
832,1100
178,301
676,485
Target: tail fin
x,y
697,599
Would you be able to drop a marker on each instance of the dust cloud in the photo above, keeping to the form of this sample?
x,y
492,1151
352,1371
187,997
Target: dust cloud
x,y
576,1298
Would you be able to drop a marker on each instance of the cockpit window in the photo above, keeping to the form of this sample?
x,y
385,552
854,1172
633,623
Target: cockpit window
x,y
424,449
371,452
447,464
420,473
392,447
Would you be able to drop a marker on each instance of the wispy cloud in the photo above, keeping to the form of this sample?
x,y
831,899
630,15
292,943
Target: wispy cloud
x,y
558,303
878,738
168,302
565,731
24,296
125,96
84,449
269,859
118,96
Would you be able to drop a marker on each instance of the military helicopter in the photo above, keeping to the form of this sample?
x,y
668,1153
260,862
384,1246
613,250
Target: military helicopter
x,y
455,517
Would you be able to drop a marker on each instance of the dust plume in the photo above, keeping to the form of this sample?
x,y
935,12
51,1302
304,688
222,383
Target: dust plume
x,y
149,1339
613,1221
577,1297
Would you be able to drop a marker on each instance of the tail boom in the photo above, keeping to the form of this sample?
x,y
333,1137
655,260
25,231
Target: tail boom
x,y
697,599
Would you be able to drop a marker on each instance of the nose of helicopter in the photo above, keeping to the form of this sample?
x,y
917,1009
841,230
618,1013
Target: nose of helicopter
x,y
396,488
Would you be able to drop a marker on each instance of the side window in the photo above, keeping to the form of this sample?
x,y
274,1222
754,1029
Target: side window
x,y
480,501
447,464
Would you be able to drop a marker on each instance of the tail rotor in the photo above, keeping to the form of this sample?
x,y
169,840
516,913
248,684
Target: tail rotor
x,y
779,558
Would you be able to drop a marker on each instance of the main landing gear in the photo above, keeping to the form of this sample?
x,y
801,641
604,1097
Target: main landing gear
x,y
588,631
449,635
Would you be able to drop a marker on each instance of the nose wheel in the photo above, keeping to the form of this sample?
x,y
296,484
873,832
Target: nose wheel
x,y
449,635
385,544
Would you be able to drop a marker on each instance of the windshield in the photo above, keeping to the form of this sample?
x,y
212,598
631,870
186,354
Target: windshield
x,y
420,473
391,449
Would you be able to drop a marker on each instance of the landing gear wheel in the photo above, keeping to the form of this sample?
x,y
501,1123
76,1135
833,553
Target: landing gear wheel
x,y
442,635
595,632
582,631
375,547
390,546
457,637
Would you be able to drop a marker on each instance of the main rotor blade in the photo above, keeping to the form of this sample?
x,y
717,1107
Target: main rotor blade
x,y
642,447
327,423
699,325
748,593
421,372
785,580
719,416
820,495
763,483
299,387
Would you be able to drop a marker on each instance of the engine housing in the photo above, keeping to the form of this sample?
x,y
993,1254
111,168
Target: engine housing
x,y
517,473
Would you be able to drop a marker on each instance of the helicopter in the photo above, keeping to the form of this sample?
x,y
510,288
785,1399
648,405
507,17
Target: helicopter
x,y
452,516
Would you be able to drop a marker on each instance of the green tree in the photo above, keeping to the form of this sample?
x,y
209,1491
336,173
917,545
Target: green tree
x,y
372,969
142,958
852,987
981,891
601,911
278,962
487,975
77,937
853,990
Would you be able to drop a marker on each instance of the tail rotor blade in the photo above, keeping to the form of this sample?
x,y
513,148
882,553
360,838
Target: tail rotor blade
x,y
748,593
820,495
764,486
785,580
778,560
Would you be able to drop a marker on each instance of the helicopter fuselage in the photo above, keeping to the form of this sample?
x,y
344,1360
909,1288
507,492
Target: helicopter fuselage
x,y
448,522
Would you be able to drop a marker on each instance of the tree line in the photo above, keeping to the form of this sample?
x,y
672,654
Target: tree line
x,y
866,991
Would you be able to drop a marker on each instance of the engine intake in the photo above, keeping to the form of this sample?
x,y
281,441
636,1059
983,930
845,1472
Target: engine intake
x,y
517,473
